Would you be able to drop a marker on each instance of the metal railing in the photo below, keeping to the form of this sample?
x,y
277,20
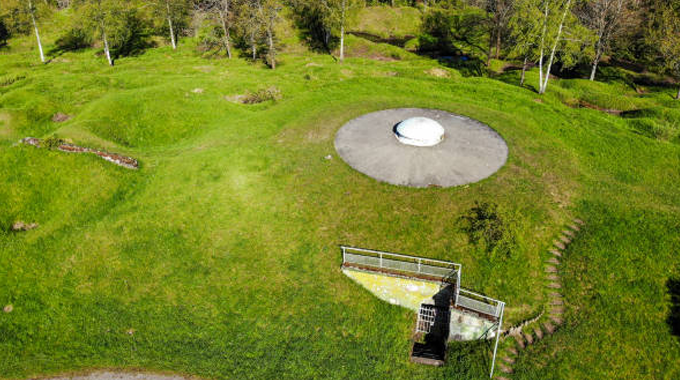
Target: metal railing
x,y
479,303
395,262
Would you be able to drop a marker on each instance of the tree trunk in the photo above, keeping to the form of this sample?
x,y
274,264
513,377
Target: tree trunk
x,y
677,97
342,32
544,86
598,55
524,70
227,36
172,31
542,47
498,43
37,34
272,53
252,45
106,48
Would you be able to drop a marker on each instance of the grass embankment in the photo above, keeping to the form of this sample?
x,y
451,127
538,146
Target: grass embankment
x,y
219,257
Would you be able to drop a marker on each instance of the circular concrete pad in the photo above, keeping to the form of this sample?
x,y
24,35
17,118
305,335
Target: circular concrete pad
x,y
470,151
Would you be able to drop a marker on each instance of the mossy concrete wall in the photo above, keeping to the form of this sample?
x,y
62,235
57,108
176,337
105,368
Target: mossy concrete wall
x,y
410,293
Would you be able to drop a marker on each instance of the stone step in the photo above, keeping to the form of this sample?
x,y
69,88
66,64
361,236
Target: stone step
x,y
553,277
555,252
564,239
555,295
559,244
508,360
554,285
520,341
556,302
550,269
504,368
529,338
538,332
553,260
569,233
574,227
557,310
501,378
512,350
558,320
579,221
548,327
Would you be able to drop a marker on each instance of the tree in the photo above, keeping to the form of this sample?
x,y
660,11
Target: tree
x,y
249,21
223,10
24,13
498,13
115,23
173,12
605,18
525,29
665,35
269,14
339,13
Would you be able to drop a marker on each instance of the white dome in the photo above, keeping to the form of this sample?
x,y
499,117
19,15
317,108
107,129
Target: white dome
x,y
419,131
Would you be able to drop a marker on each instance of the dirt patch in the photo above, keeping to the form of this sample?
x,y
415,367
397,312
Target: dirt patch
x,y
312,64
438,72
21,226
611,111
61,117
115,158
238,98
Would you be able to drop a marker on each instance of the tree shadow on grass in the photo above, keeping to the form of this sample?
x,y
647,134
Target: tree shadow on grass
x,y
673,285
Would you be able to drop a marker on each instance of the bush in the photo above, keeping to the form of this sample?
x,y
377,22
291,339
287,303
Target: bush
x,y
4,33
486,227
52,142
74,39
263,95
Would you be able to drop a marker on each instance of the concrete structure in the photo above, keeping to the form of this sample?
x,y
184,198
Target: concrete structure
x,y
469,151
419,131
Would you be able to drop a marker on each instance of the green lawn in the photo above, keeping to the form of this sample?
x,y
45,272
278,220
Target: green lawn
x,y
220,258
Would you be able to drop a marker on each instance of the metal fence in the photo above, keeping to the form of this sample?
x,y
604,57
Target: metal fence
x,y
479,303
399,263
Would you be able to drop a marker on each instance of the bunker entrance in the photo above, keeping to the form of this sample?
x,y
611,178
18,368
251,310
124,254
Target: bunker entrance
x,y
431,288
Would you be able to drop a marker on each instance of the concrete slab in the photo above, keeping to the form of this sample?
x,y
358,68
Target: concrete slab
x,y
470,151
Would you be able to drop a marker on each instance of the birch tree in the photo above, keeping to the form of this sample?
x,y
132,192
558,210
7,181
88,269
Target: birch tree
x,y
605,18
173,13
269,14
250,24
32,12
27,15
525,29
223,10
337,15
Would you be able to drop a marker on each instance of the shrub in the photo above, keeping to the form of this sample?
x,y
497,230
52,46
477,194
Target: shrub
x,y
52,142
4,33
74,39
263,95
486,227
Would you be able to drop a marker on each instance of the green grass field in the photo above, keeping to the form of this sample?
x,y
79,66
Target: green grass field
x,y
219,257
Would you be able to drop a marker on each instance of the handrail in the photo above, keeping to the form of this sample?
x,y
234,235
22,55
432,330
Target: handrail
x,y
344,248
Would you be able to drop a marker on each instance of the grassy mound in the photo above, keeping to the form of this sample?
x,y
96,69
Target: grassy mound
x,y
219,256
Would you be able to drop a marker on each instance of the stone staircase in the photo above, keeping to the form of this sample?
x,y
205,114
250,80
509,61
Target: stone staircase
x,y
540,328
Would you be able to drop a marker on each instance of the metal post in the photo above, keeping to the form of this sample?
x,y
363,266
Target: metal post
x,y
419,261
344,259
457,286
381,265
498,334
